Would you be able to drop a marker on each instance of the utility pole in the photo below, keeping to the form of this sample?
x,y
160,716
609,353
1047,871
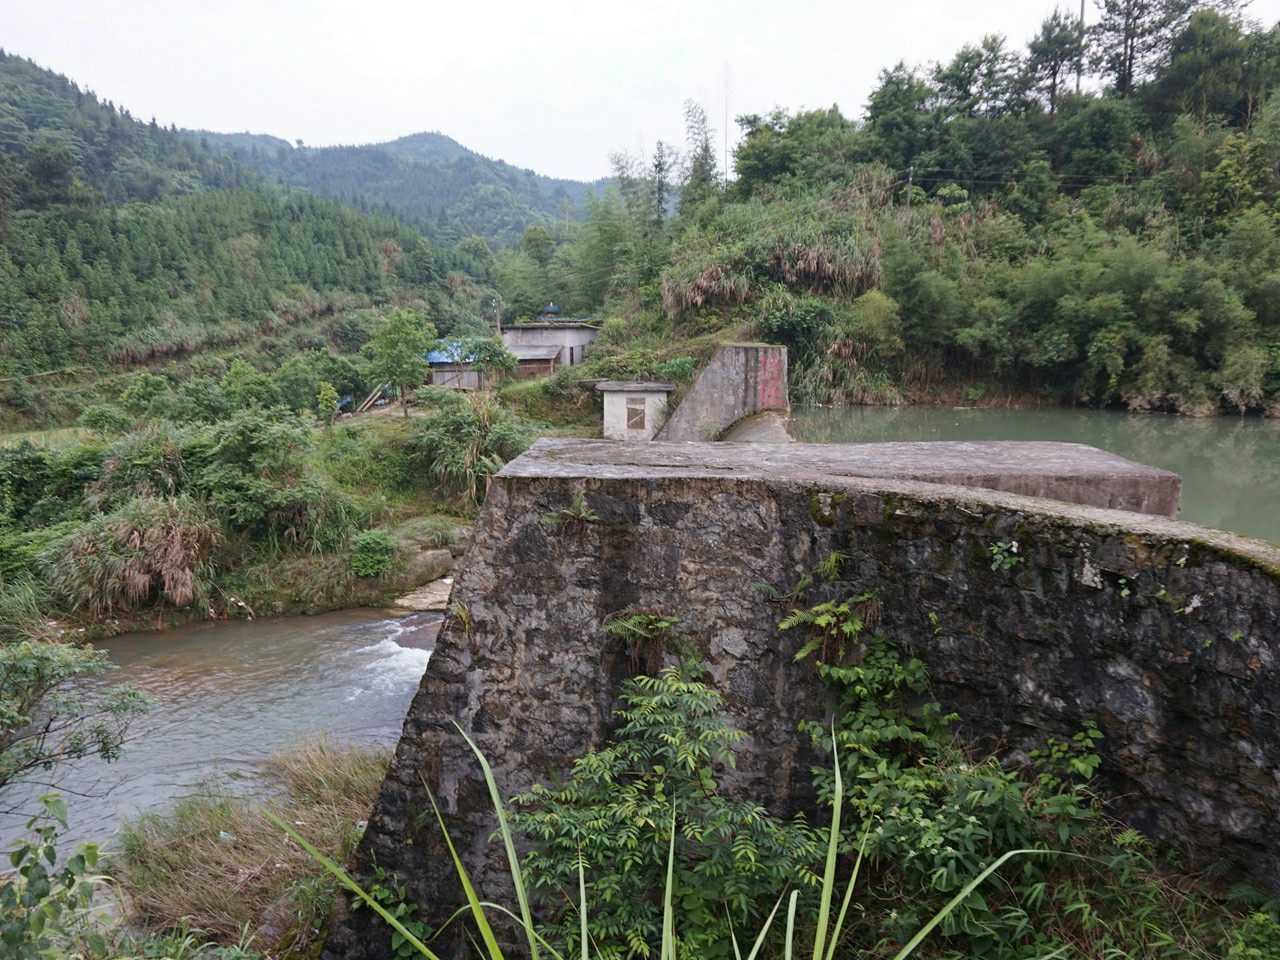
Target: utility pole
x,y
1080,61
726,122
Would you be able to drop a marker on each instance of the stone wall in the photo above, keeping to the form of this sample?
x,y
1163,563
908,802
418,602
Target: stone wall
x,y
1163,633
741,379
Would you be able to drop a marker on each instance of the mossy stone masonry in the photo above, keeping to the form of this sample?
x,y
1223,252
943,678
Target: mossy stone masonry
x,y
1162,633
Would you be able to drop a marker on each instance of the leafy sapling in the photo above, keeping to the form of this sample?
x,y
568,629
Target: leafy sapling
x,y
1004,555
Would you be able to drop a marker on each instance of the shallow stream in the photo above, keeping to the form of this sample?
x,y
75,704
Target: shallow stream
x,y
226,694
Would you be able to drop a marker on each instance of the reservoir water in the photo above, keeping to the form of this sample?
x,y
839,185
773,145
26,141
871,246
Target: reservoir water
x,y
227,694
1230,466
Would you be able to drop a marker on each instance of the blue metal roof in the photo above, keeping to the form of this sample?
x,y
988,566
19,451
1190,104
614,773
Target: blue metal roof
x,y
452,353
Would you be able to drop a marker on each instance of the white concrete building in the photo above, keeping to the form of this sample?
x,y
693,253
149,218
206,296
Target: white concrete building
x,y
570,337
634,409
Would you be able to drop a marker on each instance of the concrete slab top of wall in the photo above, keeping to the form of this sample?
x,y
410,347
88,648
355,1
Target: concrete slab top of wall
x,y
1067,472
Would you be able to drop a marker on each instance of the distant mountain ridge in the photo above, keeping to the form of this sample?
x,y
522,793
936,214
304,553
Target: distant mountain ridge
x,y
428,179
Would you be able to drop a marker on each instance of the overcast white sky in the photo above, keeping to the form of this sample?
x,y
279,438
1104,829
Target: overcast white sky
x,y
555,85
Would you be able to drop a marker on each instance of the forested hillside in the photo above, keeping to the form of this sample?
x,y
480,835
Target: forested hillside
x,y
201,327
125,244
425,179
983,227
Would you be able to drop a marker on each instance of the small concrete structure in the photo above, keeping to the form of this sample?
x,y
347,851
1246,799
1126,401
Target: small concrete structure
x,y
742,379
566,340
633,409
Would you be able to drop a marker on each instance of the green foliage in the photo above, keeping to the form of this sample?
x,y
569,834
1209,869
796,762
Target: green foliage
x,y
397,353
141,390
44,904
574,519
834,627
327,402
128,244
1258,938
1100,897
254,471
679,369
459,447
392,901
372,553
1004,555
44,719
613,815
931,816
648,637
487,355
105,417
150,461
246,388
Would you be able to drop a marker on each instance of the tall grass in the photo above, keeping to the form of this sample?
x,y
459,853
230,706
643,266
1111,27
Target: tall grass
x,y
216,857
23,612
151,548
55,437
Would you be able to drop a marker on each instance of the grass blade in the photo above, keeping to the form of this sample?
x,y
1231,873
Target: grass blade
x,y
513,860
477,909
582,906
791,924
351,885
768,922
668,910
848,893
964,892
833,849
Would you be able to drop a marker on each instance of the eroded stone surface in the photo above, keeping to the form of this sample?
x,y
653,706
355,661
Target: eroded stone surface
x,y
1161,632
430,596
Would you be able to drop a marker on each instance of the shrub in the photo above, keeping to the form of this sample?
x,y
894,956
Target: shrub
x,y
614,815
145,463
254,470
105,418
372,553
44,720
44,903
152,549
459,448
934,816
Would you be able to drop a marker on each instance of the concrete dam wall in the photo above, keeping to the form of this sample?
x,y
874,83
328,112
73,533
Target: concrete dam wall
x,y
1162,633
741,379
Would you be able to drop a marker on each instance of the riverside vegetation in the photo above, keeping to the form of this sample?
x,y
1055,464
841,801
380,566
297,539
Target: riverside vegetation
x,y
940,852
180,329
